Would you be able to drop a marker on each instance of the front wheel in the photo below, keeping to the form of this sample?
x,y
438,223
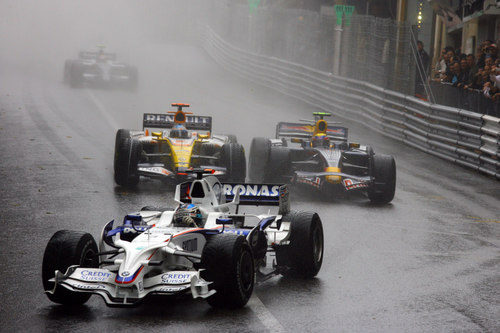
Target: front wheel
x,y
67,248
229,264
384,179
303,256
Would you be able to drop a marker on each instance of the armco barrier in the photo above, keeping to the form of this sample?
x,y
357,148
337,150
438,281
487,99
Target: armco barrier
x,y
463,137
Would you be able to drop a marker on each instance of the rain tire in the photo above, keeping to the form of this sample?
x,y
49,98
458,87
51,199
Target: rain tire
x,y
127,158
384,184
303,257
67,248
258,159
233,159
229,264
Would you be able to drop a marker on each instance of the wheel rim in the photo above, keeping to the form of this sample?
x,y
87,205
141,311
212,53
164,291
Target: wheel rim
x,y
89,259
317,244
246,271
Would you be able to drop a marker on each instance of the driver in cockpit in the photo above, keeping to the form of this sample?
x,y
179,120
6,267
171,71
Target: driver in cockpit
x,y
320,140
101,57
179,132
187,216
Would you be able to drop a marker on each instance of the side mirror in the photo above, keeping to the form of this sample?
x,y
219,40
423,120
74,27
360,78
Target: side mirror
x,y
157,134
203,136
296,140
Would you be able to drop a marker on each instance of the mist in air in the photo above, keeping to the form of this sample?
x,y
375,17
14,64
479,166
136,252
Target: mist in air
x,y
162,38
39,35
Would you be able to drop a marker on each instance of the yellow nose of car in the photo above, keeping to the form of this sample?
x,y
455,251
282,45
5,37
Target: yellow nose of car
x,y
333,179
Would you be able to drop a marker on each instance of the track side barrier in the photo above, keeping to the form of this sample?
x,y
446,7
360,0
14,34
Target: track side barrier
x,y
459,136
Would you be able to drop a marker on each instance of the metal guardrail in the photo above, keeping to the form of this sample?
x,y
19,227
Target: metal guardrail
x,y
463,137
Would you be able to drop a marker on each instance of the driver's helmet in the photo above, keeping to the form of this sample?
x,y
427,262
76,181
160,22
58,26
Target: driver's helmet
x,y
320,140
179,132
101,57
187,215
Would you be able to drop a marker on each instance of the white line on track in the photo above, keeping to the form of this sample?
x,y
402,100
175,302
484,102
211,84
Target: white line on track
x,y
266,317
103,110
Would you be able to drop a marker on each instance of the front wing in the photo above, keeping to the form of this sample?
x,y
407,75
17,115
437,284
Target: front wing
x,y
103,282
160,172
319,179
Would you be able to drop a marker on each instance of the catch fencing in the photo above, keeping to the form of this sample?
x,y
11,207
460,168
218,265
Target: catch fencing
x,y
448,94
372,49
459,136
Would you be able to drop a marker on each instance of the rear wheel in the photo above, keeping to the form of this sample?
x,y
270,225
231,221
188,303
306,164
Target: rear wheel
x,y
67,71
232,138
208,149
127,158
278,169
229,264
384,183
67,248
258,159
121,135
233,159
133,79
76,76
304,255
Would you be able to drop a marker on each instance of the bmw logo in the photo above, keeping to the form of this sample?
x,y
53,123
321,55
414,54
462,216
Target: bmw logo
x,y
125,273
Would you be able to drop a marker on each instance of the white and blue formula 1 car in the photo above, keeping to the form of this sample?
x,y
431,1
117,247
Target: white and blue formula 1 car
x,y
99,69
204,247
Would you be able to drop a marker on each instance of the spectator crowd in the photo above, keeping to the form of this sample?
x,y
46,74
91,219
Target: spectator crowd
x,y
469,72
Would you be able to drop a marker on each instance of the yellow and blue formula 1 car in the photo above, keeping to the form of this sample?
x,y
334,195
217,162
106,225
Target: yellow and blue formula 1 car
x,y
323,159
172,144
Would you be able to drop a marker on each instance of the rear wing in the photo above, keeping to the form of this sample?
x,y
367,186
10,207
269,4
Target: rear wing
x,y
301,130
250,195
87,55
259,195
158,120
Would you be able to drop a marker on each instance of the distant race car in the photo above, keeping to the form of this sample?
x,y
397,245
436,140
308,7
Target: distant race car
x,y
171,144
99,69
323,159
203,247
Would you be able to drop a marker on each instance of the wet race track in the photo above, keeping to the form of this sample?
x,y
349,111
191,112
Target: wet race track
x,y
427,262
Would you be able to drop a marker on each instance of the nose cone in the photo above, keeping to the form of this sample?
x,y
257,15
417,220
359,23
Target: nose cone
x,y
333,179
126,277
